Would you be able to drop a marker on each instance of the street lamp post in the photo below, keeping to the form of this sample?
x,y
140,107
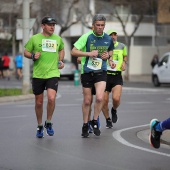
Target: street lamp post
x,y
26,33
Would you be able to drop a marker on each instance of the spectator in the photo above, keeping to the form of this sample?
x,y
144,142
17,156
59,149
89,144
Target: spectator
x,y
19,63
1,68
6,63
155,60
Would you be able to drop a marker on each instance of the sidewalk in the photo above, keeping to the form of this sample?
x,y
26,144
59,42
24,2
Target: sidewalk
x,y
140,78
16,98
166,137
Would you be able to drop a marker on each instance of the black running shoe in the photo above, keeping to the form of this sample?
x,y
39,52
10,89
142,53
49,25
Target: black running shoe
x,y
49,128
85,130
154,137
114,115
109,123
95,127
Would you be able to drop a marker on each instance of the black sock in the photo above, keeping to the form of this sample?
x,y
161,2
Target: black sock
x,y
85,124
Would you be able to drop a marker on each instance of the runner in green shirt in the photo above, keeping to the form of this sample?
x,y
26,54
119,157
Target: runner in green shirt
x,y
114,79
95,47
47,51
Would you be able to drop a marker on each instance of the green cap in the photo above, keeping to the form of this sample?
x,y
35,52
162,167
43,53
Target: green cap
x,y
111,31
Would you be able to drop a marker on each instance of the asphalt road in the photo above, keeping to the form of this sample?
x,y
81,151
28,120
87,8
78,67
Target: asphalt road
x,y
120,148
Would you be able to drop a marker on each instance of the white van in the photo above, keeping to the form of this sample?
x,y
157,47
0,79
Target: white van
x,y
161,71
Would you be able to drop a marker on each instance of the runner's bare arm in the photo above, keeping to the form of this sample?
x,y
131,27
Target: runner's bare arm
x,y
78,53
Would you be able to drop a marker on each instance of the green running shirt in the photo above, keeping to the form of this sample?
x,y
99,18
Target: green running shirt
x,y
88,42
47,64
119,52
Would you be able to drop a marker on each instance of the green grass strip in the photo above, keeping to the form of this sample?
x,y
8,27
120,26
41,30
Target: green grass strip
x,y
11,92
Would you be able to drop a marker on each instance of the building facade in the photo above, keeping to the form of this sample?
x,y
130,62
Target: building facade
x,y
149,38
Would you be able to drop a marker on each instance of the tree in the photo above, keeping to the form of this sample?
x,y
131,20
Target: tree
x,y
66,12
122,10
140,8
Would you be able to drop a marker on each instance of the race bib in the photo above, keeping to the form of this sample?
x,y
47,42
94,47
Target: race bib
x,y
48,45
112,69
94,63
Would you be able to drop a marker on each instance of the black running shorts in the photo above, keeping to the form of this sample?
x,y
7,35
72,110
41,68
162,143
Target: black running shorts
x,y
89,79
112,81
39,85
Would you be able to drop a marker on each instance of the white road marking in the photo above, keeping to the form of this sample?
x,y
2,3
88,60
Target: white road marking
x,y
139,102
9,117
117,136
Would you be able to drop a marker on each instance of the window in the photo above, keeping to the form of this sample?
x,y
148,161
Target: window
x,y
143,41
164,61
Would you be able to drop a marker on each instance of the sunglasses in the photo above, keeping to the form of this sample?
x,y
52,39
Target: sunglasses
x,y
48,21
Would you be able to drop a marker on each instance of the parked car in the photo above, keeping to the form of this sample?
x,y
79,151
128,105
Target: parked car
x,y
161,71
68,70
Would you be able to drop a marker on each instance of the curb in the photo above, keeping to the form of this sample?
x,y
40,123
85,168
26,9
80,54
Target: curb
x,y
16,98
165,138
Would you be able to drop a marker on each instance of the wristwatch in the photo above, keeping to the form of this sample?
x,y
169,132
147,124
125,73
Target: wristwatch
x,y
33,56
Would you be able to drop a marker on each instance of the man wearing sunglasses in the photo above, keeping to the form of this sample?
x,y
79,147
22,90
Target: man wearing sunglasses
x,y
46,49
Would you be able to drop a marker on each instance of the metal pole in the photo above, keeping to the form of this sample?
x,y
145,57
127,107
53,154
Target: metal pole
x,y
26,62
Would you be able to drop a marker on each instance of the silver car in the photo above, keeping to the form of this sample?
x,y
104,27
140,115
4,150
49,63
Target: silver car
x,y
68,70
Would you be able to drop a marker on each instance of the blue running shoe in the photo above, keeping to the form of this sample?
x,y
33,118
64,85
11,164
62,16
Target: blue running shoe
x,y
154,137
40,132
49,128
90,129
98,121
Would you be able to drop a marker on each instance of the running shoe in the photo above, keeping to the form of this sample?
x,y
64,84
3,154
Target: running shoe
x,y
85,130
40,132
98,121
95,127
154,137
114,115
109,123
90,125
49,128
90,129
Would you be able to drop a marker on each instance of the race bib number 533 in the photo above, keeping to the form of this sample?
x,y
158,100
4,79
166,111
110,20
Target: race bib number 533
x,y
48,45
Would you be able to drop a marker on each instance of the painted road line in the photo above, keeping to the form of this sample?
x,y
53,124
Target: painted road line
x,y
118,137
11,117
